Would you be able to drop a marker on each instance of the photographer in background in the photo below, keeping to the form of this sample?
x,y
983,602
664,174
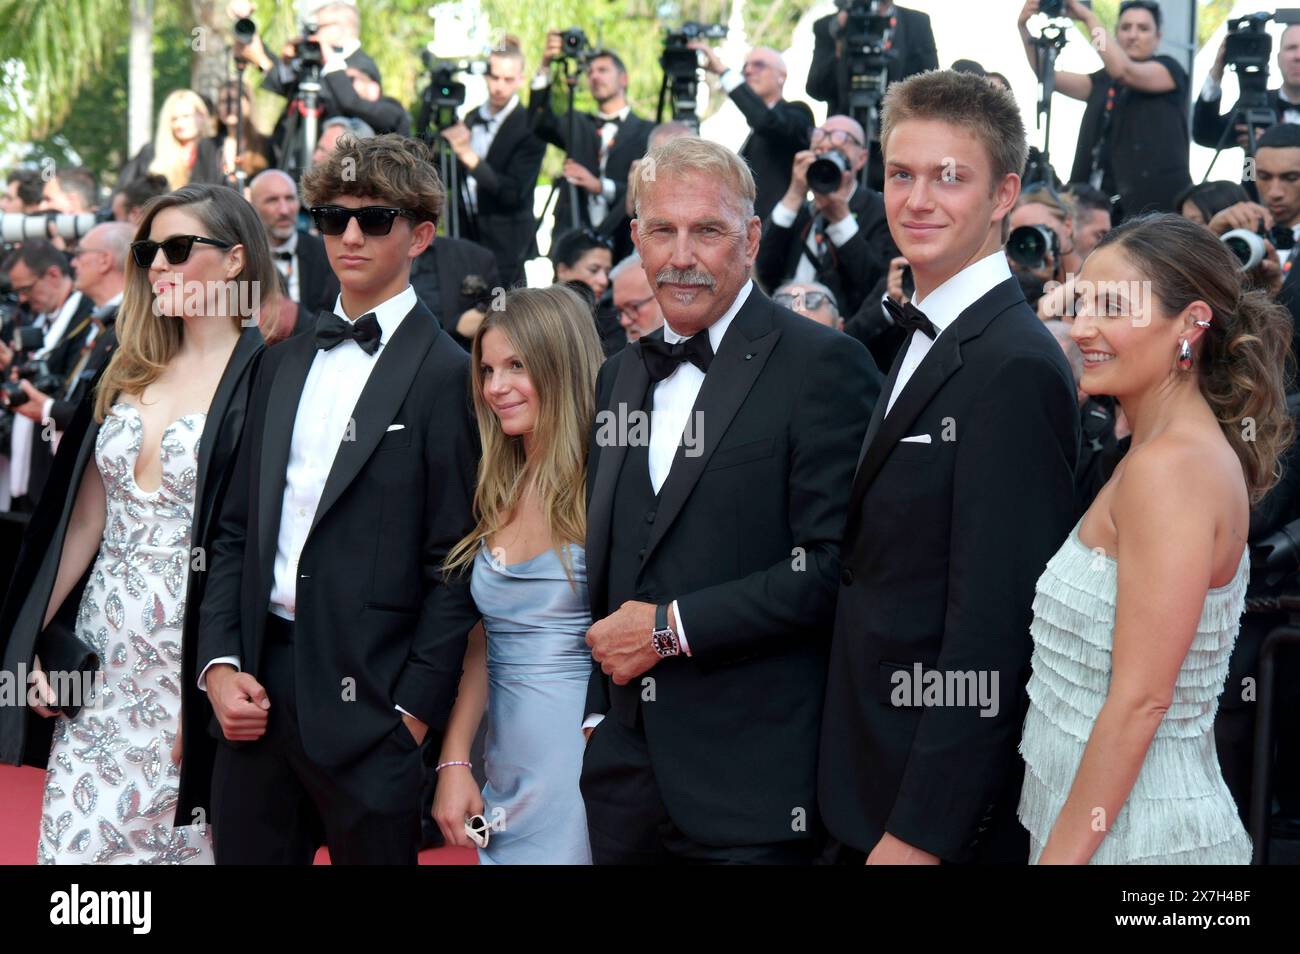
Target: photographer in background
x,y
1277,179
912,50
1210,128
359,94
778,129
40,277
500,159
840,237
1040,246
604,145
71,191
24,192
1134,136
1092,216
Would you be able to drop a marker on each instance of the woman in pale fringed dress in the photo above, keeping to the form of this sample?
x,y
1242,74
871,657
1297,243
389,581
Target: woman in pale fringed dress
x,y
1136,615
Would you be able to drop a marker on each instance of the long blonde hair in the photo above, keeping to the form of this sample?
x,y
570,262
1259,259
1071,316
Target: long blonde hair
x,y
169,156
554,336
147,341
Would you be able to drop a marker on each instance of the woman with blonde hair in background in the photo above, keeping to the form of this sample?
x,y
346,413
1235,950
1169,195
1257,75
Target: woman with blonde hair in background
x,y
533,388
182,148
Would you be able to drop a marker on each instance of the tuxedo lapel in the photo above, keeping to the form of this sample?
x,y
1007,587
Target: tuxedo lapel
x,y
277,434
232,379
878,414
385,390
629,395
741,356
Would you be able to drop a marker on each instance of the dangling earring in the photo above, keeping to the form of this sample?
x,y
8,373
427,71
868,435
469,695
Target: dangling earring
x,y
1184,355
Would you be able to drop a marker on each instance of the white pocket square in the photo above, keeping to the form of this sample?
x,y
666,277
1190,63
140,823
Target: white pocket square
x,y
917,439
398,427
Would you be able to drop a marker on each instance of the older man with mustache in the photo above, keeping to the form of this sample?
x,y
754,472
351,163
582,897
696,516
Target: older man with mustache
x,y
713,539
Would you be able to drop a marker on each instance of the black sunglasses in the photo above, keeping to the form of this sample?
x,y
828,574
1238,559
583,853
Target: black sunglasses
x,y
176,249
372,219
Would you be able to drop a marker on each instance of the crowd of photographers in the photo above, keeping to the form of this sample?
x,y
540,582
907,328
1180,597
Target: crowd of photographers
x,y
826,249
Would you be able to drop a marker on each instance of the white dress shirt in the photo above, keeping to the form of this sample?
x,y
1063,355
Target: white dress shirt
x,y
672,401
481,137
288,267
943,306
325,412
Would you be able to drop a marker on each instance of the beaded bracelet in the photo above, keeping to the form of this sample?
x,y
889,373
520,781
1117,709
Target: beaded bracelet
x,y
443,765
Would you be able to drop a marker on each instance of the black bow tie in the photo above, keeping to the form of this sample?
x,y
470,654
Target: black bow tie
x,y
332,330
283,256
662,359
602,120
478,119
911,318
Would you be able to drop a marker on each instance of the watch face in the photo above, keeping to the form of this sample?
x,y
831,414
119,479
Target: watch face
x,y
664,642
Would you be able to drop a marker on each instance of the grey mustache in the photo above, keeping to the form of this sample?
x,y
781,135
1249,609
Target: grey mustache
x,y
674,276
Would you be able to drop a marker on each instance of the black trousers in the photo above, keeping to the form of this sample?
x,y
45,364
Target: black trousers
x,y
628,823
272,805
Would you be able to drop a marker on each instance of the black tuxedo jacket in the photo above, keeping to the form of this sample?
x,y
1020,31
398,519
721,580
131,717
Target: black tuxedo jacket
x,y
376,625
25,740
438,276
1210,128
854,267
61,360
384,115
504,182
630,144
778,133
318,287
944,543
101,349
913,44
745,536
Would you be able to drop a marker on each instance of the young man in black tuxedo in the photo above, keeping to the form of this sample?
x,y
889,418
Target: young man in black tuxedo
x,y
964,490
713,543
838,238
500,159
329,643
603,148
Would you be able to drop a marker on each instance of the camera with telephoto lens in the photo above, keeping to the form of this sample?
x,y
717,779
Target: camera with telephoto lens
x,y
308,57
678,60
245,30
17,227
826,171
1249,247
1029,246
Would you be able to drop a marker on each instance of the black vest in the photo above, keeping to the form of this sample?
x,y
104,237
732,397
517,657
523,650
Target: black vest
x,y
635,504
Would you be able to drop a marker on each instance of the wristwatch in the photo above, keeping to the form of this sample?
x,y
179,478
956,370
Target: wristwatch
x,y
663,638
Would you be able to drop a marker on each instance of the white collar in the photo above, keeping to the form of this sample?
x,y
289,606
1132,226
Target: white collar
x,y
621,115
943,305
499,117
719,327
290,244
388,313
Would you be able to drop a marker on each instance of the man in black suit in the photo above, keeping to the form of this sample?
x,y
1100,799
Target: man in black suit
x,y
1277,177
603,148
99,265
452,277
329,642
712,544
39,275
299,256
839,238
779,128
911,51
499,159
1210,127
964,490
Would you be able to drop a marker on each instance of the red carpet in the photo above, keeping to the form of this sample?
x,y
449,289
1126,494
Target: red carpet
x,y
20,816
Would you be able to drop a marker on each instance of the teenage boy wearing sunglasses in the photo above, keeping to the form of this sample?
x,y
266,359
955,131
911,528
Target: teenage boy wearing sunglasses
x,y
328,641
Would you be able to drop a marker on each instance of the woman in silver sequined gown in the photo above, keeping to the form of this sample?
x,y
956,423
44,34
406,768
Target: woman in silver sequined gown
x,y
132,503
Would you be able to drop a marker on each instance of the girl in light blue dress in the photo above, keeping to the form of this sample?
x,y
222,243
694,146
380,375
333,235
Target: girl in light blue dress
x,y
533,388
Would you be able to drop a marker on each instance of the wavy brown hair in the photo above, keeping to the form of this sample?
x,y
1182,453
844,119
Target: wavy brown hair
x,y
554,337
1243,361
394,169
147,342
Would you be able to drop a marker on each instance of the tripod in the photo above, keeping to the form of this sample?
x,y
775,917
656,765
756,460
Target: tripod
x,y
1047,44
438,106
1252,109
575,219
302,127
